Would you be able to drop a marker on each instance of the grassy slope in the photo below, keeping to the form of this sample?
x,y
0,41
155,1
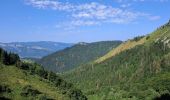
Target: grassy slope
x,y
16,79
124,46
131,74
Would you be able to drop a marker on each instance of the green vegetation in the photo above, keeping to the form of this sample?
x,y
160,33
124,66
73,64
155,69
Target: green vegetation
x,y
24,80
141,72
79,54
138,38
122,47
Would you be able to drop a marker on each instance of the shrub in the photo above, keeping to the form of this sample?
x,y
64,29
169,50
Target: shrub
x,y
4,98
44,97
24,66
77,95
39,70
163,97
137,38
29,91
4,88
147,37
52,76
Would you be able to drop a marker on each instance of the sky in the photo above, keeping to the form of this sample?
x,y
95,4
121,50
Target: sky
x,y
74,21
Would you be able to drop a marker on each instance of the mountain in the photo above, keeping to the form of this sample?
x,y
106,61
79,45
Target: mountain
x,y
138,69
20,80
34,49
76,55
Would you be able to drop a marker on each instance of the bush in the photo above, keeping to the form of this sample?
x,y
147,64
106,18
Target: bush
x,y
44,97
163,97
4,88
77,95
39,70
147,37
29,91
137,38
4,98
24,66
52,76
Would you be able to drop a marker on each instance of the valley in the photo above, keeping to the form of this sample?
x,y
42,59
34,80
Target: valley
x,y
137,69
84,50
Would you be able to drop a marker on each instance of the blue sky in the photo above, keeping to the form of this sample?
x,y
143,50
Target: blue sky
x,y
80,20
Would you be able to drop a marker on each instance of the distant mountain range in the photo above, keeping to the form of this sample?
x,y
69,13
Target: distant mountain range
x,y
76,55
34,49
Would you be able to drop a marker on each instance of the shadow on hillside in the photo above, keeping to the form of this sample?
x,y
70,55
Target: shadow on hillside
x,y
163,97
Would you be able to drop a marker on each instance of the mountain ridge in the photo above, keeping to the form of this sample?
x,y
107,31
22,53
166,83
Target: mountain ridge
x,y
76,55
34,49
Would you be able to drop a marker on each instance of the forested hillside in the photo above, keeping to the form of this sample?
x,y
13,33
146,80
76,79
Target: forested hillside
x,y
76,55
138,73
21,80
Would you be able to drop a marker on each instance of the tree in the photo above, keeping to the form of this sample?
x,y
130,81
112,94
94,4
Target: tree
x,y
40,71
13,58
52,76
5,58
8,58
24,66
1,55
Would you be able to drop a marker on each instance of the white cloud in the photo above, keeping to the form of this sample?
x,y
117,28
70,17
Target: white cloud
x,y
92,13
55,5
84,23
154,18
125,5
123,1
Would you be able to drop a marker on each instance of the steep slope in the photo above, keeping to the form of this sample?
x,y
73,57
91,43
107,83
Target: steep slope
x,y
124,46
138,73
34,49
29,81
76,55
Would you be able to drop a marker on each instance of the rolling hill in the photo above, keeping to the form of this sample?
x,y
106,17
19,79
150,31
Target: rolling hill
x,y
76,55
20,80
34,49
138,69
